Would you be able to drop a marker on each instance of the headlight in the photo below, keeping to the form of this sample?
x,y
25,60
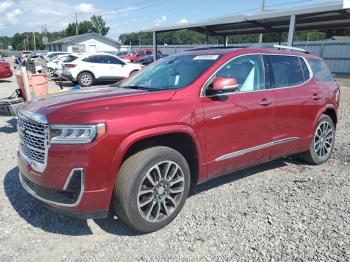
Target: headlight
x,y
75,134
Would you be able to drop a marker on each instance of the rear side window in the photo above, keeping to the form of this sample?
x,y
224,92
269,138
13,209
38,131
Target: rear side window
x,y
286,71
305,69
98,59
320,70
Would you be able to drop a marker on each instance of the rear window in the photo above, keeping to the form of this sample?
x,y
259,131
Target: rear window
x,y
286,71
320,70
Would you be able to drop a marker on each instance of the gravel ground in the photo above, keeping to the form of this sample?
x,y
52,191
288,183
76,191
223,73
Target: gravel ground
x,y
280,211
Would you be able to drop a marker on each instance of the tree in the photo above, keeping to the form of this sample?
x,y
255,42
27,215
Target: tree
x,y
99,25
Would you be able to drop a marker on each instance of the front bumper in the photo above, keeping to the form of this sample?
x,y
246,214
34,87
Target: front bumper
x,y
72,196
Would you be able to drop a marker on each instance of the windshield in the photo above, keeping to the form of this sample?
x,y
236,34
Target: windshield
x,y
172,72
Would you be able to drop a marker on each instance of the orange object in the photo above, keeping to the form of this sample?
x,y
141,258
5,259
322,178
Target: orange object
x,y
38,85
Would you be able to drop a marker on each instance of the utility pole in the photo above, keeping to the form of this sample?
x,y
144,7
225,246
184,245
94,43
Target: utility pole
x,y
76,23
34,41
262,10
24,42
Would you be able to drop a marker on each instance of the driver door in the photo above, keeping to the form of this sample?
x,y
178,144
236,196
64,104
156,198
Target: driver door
x,y
239,124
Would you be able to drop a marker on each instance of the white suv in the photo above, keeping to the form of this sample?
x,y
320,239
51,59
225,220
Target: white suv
x,y
90,69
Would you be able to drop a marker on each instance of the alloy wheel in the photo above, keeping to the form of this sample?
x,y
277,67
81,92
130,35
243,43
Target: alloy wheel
x,y
323,140
86,80
161,191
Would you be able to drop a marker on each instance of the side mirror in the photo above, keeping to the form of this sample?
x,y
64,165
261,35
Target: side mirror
x,y
222,85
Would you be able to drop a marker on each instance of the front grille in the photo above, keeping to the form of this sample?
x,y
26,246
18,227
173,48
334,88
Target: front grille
x,y
33,140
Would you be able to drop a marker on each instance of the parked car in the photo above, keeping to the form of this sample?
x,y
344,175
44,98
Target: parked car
x,y
91,69
57,63
184,119
5,70
50,55
122,54
148,59
137,54
68,59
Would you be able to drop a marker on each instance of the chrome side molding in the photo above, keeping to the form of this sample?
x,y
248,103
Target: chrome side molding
x,y
254,148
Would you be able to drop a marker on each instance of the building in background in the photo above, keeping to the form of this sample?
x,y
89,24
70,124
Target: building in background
x,y
85,43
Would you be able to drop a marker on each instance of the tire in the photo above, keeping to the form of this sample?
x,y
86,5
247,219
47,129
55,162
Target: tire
x,y
50,72
85,79
322,142
142,200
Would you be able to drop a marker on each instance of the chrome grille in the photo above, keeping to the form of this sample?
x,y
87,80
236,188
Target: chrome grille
x,y
33,142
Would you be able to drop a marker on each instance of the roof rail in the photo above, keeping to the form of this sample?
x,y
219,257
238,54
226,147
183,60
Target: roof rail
x,y
216,47
291,48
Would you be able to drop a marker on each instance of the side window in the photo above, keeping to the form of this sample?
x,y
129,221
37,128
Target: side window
x,y
320,70
148,52
286,71
94,59
247,70
113,60
141,53
305,69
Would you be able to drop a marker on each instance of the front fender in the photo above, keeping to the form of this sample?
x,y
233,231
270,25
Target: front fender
x,y
133,138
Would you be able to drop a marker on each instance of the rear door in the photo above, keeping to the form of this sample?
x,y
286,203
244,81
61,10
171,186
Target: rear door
x,y
239,124
295,107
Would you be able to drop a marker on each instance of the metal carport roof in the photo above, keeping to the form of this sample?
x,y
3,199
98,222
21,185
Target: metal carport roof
x,y
318,16
330,15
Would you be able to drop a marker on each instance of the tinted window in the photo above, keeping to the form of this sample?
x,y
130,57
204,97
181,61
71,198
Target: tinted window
x,y
286,71
320,70
113,60
248,72
95,59
148,52
70,58
141,53
305,69
172,72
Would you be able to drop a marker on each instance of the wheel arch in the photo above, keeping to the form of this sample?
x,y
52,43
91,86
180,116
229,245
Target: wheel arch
x,y
329,110
180,138
86,71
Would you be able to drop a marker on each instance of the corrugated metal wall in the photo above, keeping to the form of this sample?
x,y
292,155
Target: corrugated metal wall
x,y
335,52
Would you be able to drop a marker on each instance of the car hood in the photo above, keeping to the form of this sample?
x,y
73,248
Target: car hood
x,y
78,103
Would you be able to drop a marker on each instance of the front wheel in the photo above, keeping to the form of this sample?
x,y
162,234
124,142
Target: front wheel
x,y
151,188
322,143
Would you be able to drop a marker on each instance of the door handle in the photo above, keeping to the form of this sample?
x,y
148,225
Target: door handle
x,y
316,97
265,102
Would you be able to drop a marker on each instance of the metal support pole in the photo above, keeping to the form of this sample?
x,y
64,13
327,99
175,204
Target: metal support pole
x,y
262,10
291,30
226,40
155,51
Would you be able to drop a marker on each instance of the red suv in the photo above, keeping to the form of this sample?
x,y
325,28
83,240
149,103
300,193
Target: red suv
x,y
137,54
184,119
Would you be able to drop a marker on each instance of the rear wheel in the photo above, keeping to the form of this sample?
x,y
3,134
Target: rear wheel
x,y
85,79
151,188
322,143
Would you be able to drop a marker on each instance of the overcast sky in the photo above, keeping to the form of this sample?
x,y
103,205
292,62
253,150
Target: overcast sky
x,y
124,16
